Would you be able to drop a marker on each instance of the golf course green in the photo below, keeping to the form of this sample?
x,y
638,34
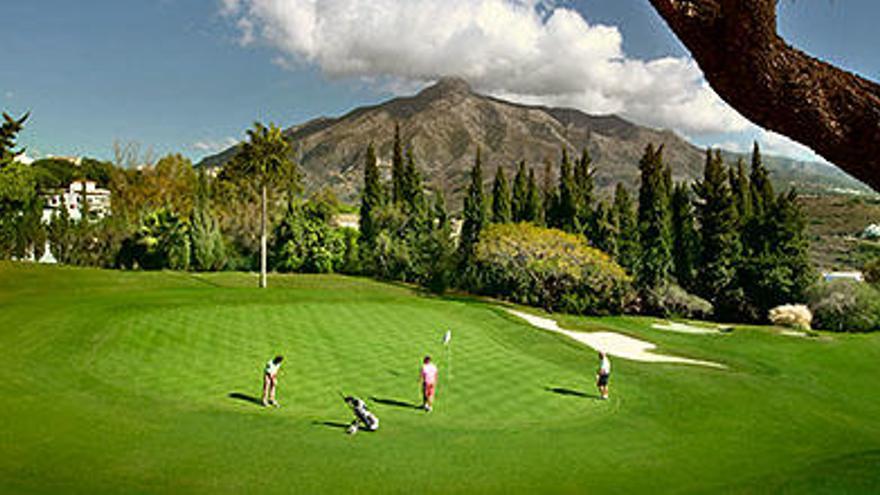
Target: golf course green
x,y
148,382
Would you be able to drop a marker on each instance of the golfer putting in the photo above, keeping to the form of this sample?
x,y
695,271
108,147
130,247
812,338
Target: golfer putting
x,y
603,374
270,381
428,382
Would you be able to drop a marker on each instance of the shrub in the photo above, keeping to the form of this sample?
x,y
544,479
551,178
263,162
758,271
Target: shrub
x,y
549,268
791,315
672,300
846,306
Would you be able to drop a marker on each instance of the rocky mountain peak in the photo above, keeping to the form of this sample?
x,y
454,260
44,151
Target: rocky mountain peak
x,y
447,86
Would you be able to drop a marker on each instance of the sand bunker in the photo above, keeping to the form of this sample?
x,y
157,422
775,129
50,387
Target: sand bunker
x,y
673,326
612,343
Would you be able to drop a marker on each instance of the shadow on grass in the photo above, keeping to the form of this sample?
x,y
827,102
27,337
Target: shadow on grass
x,y
332,424
246,398
571,393
395,403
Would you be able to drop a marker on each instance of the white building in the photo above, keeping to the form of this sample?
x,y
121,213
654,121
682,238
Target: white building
x,y
79,197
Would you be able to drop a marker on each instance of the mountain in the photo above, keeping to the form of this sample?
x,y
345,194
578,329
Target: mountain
x,y
444,124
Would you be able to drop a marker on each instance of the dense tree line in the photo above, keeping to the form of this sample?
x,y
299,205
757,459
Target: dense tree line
x,y
727,242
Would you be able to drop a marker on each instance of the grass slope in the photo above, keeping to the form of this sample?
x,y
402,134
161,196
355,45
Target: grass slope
x,y
114,382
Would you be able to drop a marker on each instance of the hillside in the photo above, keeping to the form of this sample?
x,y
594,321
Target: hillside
x,y
445,123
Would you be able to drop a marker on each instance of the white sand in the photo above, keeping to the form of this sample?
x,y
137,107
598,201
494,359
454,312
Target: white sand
x,y
673,326
612,343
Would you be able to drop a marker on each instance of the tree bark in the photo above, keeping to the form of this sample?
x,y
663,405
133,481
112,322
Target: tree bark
x,y
735,42
263,239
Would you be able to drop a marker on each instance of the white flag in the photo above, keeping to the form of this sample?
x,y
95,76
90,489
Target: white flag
x,y
447,337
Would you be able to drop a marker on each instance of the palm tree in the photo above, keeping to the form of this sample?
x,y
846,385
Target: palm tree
x,y
264,161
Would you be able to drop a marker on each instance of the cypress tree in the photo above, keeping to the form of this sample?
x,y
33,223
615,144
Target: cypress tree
x,y
685,244
740,186
550,197
604,228
474,213
412,195
532,212
627,229
397,168
719,240
583,178
371,199
761,188
655,259
520,198
500,198
565,217
440,212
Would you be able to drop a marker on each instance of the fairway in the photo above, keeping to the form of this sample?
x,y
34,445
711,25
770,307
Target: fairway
x,y
146,382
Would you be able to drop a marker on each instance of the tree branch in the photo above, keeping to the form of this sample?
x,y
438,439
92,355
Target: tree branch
x,y
777,86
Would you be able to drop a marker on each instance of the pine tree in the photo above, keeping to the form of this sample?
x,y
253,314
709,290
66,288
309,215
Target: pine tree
x,y
520,198
397,168
655,260
583,178
532,212
685,244
412,194
719,239
761,188
441,216
565,217
604,228
627,229
8,131
371,198
474,213
500,198
550,196
741,189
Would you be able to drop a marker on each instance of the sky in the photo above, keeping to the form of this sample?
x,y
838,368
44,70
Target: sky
x,y
190,76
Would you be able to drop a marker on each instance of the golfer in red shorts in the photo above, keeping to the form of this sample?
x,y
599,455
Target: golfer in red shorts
x,y
428,380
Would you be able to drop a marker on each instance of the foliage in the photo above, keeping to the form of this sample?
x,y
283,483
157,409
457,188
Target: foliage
x,y
549,268
720,246
655,257
519,197
8,132
501,208
627,243
21,232
845,306
161,241
672,300
791,315
372,197
872,271
304,241
474,214
685,243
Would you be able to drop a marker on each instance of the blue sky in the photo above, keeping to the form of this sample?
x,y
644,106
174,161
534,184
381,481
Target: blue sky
x,y
190,76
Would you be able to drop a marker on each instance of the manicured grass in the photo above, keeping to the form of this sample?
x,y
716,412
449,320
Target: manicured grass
x,y
115,382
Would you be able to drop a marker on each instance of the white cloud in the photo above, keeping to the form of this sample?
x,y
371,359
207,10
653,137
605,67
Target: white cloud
x,y
9,95
777,144
214,145
532,51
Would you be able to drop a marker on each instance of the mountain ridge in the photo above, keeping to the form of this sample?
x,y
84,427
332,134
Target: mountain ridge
x,y
445,123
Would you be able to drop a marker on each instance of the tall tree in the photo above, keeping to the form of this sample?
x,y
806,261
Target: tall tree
x,y
583,178
474,212
566,208
264,160
627,229
604,229
8,132
719,239
685,244
520,197
549,195
761,189
777,86
655,259
532,212
371,198
500,198
412,193
397,168
740,187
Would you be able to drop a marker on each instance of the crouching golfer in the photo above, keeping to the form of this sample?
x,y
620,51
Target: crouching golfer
x,y
270,381
428,381
603,374
363,418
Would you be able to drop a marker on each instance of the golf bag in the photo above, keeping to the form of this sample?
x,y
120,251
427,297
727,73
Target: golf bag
x,y
363,417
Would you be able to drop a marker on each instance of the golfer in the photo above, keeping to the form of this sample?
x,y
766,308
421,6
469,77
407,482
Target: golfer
x,y
270,381
428,381
603,374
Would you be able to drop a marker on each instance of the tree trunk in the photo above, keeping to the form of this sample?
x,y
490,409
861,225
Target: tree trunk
x,y
263,239
778,87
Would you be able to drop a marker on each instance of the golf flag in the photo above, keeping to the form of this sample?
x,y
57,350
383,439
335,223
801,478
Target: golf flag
x,y
447,337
